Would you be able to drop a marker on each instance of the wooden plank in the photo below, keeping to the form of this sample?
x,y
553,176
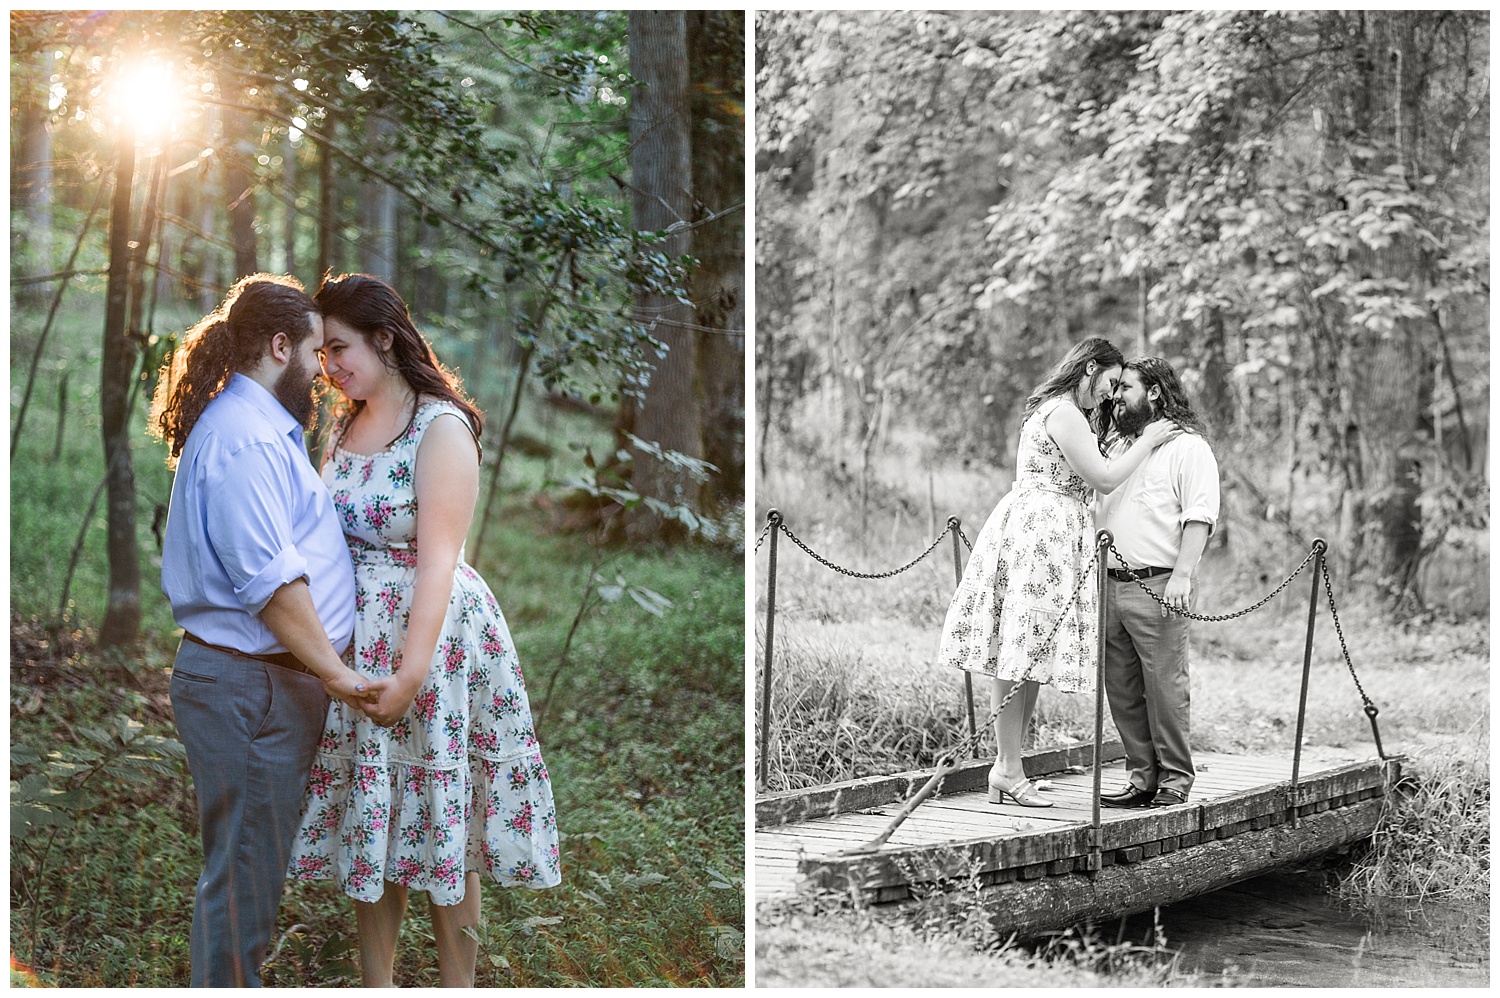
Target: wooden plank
x,y
1046,904
956,859
1136,826
873,791
1352,777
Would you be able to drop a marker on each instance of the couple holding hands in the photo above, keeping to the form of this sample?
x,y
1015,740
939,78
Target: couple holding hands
x,y
346,688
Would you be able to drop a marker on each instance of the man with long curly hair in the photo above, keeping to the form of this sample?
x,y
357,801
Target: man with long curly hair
x,y
255,566
1161,518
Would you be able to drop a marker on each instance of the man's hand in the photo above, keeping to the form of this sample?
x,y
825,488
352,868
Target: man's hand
x,y
394,700
1179,591
353,688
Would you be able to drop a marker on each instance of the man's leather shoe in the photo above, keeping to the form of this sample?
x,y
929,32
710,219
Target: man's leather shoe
x,y
1127,796
1167,798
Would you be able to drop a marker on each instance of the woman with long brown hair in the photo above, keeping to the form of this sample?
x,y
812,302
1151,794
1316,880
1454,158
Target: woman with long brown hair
x,y
1018,587
444,781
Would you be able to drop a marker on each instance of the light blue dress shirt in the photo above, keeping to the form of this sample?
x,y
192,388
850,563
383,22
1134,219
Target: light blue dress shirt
x,y
248,515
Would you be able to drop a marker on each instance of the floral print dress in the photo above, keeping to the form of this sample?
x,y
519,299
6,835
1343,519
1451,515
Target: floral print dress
x,y
1023,572
458,784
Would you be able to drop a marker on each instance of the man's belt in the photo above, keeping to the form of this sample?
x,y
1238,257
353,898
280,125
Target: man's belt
x,y
284,659
1123,575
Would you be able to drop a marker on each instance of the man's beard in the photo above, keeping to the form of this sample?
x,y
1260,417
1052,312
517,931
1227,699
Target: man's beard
x,y
295,389
1130,420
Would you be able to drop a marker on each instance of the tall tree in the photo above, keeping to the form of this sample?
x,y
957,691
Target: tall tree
x,y
716,61
377,237
240,146
122,615
662,181
31,170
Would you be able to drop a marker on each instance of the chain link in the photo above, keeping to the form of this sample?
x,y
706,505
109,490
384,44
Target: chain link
x,y
1212,618
971,742
964,537
863,575
763,532
1343,645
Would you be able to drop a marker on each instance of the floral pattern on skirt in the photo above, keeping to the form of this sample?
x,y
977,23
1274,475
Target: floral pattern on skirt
x,y
1022,574
457,785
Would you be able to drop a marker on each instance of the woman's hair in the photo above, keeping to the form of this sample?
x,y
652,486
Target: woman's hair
x,y
1071,370
233,337
1172,403
370,305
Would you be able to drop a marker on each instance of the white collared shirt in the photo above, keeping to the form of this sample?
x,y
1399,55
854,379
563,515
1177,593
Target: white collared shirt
x,y
1177,483
248,515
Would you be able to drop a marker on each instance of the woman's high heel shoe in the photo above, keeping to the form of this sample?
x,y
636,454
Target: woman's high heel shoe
x,y
1022,792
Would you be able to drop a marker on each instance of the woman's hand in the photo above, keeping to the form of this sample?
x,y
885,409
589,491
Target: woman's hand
x,y
354,689
1159,431
394,699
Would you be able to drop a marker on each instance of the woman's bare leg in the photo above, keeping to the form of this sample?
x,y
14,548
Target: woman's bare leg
x,y
457,950
379,928
1010,728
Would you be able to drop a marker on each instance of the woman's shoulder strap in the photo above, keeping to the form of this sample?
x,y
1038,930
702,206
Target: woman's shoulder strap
x,y
433,408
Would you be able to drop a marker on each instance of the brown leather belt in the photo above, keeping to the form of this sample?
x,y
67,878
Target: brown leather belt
x,y
284,659
1123,575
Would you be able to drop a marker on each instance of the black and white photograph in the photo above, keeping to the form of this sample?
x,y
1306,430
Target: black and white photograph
x,y
1120,454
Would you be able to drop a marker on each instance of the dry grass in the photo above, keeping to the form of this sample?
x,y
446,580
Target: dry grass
x,y
824,944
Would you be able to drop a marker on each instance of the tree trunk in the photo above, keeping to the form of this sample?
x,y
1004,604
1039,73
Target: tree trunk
x,y
239,150
289,212
327,219
856,318
122,616
661,171
1388,397
716,45
31,180
1217,401
377,223
201,265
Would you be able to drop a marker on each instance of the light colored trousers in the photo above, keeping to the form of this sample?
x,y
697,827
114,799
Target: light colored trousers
x,y
251,730
1146,679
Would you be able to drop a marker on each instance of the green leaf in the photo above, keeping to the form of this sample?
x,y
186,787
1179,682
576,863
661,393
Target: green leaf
x,y
643,880
652,602
538,921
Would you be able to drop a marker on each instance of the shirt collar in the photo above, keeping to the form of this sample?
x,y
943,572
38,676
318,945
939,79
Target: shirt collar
x,y
267,404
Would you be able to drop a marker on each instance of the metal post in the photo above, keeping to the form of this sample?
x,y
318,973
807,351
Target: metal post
x,y
1319,546
763,760
958,578
1102,543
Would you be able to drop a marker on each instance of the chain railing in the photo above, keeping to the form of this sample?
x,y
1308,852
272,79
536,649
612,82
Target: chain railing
x,y
776,524
948,761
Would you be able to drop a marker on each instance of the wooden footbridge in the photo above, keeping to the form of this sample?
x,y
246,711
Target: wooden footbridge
x,y
923,840
1032,866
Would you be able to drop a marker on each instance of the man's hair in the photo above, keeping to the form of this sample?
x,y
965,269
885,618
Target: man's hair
x,y
233,337
1172,400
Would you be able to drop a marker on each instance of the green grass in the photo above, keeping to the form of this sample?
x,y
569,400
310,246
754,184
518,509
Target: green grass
x,y
643,737
856,693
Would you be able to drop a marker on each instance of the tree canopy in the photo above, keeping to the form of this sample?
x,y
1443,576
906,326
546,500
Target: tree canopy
x,y
1291,206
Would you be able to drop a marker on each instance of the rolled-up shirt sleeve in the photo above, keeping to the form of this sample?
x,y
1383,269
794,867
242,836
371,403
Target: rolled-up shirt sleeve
x,y
249,524
1198,485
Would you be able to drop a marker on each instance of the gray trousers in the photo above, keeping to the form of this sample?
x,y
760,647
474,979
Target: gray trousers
x,y
1146,679
251,730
